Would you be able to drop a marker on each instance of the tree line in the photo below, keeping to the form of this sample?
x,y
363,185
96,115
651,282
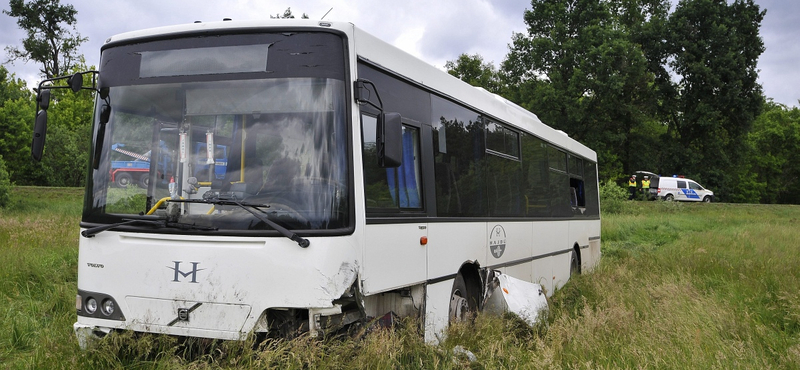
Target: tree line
x,y
670,91
51,42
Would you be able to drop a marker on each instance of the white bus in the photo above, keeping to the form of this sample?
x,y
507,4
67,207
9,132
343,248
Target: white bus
x,y
360,182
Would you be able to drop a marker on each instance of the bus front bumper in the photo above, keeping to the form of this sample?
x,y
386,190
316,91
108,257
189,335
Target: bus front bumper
x,y
87,334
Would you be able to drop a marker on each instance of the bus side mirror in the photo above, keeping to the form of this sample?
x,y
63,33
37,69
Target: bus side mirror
x,y
43,99
75,82
105,113
40,128
389,140
39,133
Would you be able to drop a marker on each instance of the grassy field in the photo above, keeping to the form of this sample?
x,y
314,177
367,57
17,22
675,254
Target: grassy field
x,y
680,286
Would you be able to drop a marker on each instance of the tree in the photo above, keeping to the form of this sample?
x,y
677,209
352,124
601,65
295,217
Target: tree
x,y
474,71
68,136
584,69
16,126
775,144
5,184
287,14
52,40
715,48
11,87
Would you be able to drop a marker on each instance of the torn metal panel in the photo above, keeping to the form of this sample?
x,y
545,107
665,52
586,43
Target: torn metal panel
x,y
507,294
338,284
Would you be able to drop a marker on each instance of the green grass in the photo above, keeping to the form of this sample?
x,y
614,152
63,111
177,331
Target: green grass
x,y
679,286
38,252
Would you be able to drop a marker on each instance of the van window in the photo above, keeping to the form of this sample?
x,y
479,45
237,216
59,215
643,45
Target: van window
x,y
681,184
695,186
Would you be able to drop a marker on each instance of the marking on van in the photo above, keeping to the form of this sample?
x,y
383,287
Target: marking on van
x,y
690,193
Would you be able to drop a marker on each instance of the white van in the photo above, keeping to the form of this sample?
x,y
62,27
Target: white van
x,y
679,188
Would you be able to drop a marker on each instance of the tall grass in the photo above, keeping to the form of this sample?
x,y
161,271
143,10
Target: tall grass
x,y
679,286
38,255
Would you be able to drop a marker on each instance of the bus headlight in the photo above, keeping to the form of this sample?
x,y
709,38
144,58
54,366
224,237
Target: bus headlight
x,y
108,307
91,305
98,305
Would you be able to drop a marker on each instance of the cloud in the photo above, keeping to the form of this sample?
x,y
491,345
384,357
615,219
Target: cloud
x,y
472,27
778,71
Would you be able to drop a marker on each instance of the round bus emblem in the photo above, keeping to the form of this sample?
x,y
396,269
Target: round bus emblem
x,y
497,241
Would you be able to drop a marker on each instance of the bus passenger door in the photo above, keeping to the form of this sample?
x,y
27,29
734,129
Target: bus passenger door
x,y
396,230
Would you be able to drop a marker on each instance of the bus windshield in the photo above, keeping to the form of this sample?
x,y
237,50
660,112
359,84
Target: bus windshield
x,y
262,131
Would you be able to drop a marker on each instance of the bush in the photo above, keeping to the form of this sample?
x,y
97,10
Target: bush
x,y
5,184
612,197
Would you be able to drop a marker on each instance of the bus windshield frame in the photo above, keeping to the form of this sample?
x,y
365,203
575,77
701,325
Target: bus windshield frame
x,y
259,118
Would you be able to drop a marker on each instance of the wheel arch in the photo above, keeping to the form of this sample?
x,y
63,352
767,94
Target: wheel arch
x,y
470,271
577,250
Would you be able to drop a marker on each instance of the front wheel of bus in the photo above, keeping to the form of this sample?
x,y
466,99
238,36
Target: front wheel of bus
x,y
460,306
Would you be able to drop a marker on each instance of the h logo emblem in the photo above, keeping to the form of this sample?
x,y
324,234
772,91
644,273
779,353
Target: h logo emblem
x,y
179,273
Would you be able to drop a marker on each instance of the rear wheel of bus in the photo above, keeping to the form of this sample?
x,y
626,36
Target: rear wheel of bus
x,y
574,264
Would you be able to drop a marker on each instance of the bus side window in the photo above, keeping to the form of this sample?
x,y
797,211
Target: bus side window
x,y
391,188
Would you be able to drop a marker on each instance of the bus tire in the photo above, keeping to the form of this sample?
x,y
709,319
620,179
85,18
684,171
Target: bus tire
x,y
461,307
574,264
123,179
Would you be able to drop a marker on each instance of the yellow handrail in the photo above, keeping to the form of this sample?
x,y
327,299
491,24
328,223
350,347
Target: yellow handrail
x,y
158,204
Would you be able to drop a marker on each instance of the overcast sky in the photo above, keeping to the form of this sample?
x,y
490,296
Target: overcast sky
x,y
435,31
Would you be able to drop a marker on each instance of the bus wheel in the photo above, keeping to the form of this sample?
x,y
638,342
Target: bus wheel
x,y
460,307
123,179
574,265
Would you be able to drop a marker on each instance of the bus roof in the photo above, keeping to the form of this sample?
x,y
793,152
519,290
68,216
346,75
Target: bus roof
x,y
385,55
398,61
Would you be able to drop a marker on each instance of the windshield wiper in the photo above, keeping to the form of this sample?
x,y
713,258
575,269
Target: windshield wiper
x,y
90,232
252,208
